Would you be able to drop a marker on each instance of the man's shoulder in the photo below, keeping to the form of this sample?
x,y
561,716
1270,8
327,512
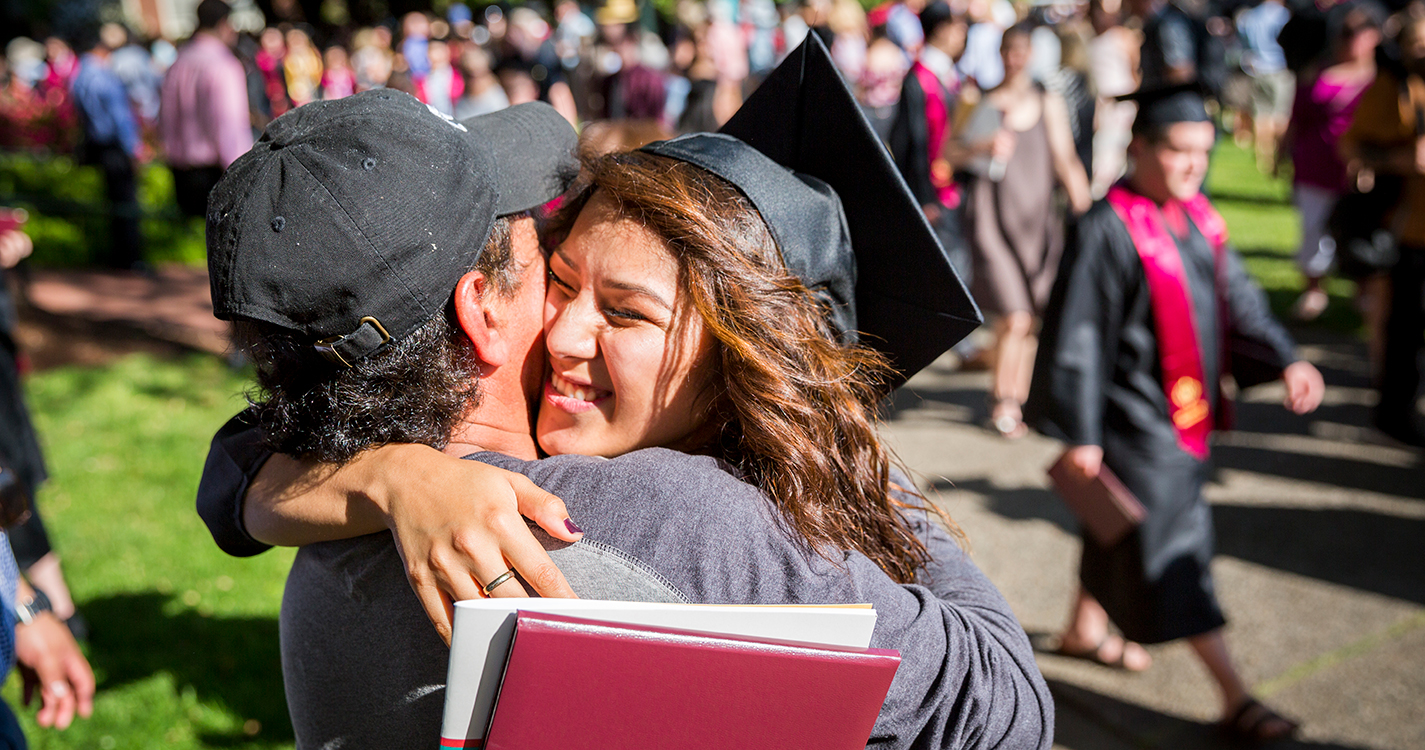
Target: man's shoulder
x,y
652,477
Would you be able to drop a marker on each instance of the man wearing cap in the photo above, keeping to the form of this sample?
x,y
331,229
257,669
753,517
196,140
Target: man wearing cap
x,y
1144,320
361,664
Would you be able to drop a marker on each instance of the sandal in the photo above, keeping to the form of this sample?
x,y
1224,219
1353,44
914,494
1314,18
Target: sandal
x,y
1253,723
1095,653
1007,418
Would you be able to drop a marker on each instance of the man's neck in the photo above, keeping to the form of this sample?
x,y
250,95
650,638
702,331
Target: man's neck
x,y
476,438
501,421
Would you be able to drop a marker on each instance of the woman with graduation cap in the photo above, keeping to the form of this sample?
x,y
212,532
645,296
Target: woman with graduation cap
x,y
1144,321
752,295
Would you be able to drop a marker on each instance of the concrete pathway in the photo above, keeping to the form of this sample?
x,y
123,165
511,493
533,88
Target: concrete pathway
x,y
1320,567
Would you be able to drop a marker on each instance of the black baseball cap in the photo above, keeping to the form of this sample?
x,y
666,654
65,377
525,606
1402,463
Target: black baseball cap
x,y
350,221
841,214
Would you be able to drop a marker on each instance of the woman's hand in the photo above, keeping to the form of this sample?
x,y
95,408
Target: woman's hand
x,y
1002,146
474,533
458,525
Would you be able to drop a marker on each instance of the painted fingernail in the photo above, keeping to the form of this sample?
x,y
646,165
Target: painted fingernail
x,y
573,529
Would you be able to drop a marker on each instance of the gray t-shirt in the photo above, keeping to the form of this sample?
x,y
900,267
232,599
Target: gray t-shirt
x,y
364,668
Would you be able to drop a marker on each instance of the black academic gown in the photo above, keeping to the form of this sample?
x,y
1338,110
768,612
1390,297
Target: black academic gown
x,y
1098,381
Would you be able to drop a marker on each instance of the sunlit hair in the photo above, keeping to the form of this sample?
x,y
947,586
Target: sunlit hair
x,y
794,411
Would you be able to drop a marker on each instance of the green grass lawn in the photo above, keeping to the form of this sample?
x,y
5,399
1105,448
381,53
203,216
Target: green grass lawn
x,y
66,200
185,638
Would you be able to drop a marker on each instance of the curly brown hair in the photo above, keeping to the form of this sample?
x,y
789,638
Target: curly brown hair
x,y
415,390
796,409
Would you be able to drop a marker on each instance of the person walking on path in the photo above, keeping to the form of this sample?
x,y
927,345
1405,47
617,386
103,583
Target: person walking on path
x,y
1327,95
1113,66
1015,236
204,117
1149,312
922,129
1384,136
1169,53
111,141
1272,83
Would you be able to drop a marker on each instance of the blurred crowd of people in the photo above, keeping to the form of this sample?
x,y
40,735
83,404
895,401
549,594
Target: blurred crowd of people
x,y
1285,78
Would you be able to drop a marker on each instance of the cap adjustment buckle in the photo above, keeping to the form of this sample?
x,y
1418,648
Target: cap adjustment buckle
x,y
342,350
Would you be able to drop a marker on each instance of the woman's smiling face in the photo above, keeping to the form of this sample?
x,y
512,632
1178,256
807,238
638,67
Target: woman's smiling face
x,y
629,356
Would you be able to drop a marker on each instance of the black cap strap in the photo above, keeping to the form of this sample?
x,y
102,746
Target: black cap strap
x,y
365,340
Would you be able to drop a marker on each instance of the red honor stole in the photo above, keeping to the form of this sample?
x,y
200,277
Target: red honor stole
x,y
937,128
1178,345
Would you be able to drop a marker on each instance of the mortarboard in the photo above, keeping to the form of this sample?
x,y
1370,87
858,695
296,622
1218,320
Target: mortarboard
x,y
841,214
1166,106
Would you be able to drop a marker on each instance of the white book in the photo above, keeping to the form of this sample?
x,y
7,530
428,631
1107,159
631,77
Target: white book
x,y
480,641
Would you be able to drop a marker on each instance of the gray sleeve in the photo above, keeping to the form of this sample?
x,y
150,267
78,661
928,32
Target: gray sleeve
x,y
967,677
1259,347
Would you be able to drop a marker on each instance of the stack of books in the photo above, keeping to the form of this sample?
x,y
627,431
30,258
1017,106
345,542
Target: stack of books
x,y
577,673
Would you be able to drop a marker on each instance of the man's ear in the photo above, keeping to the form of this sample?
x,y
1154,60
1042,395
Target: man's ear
x,y
483,326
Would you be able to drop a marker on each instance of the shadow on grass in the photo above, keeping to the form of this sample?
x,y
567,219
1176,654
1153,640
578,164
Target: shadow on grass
x,y
232,661
1086,720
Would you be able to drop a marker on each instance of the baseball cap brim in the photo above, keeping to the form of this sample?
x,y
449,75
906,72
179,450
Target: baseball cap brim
x,y
533,148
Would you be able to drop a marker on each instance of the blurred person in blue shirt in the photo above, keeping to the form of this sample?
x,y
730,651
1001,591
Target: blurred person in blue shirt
x,y
112,142
1273,86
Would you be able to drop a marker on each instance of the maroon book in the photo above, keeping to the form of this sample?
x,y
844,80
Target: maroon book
x,y
1106,508
572,683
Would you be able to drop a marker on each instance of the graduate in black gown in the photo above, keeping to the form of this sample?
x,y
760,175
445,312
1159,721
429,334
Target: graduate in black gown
x,y
1125,299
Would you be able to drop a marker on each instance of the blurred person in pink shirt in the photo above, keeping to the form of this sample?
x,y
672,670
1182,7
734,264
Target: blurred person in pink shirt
x,y
338,78
203,116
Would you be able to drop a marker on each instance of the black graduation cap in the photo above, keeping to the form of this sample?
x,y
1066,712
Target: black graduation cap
x,y
843,218
1167,105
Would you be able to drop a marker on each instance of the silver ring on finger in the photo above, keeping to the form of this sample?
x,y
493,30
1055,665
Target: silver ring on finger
x,y
501,578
